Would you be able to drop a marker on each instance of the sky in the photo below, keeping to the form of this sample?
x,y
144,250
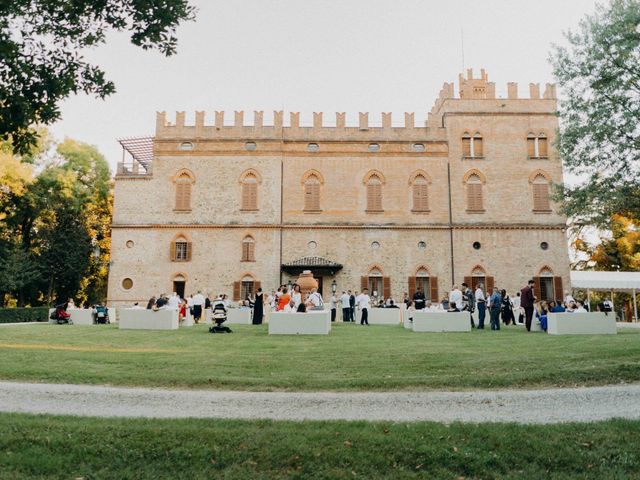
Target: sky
x,y
318,55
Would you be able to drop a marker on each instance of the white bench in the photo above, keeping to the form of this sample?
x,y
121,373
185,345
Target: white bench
x,y
596,323
317,322
441,322
381,316
239,316
138,319
83,316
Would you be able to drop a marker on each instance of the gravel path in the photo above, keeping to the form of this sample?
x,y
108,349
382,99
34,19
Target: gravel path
x,y
521,406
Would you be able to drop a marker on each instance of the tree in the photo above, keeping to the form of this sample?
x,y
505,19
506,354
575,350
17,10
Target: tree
x,y
599,72
41,60
619,252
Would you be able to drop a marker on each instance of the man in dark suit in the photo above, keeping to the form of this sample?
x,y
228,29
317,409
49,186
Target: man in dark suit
x,y
527,299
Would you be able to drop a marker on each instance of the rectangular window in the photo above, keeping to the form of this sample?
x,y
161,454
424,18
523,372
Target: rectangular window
x,y
374,198
474,197
246,290
542,147
183,196
248,252
420,198
466,146
312,197
546,289
541,197
423,284
531,147
250,196
181,251
375,287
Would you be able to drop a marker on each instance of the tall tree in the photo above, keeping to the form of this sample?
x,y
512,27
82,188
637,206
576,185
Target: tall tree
x,y
599,72
41,53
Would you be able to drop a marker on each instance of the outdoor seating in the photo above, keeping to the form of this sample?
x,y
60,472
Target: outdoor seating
x,y
596,323
316,322
441,322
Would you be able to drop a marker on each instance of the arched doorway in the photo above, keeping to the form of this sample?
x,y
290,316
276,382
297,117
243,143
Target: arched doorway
x,y
179,284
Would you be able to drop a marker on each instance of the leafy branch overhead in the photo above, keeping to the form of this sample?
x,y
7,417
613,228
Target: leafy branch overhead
x,y
599,72
41,61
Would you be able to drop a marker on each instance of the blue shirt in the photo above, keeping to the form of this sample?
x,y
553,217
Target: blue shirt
x,y
496,300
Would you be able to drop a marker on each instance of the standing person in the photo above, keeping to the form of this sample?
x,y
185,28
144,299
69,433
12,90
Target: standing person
x,y
527,299
296,294
495,304
507,309
406,299
315,302
333,303
418,299
517,311
258,307
469,302
363,301
481,303
198,303
352,306
455,296
284,299
346,307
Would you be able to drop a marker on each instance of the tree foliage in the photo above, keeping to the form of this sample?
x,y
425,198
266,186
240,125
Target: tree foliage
x,y
599,72
41,59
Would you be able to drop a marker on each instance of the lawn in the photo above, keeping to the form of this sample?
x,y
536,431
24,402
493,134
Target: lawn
x,y
350,358
87,448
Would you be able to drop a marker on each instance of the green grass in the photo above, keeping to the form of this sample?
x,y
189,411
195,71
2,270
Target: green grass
x,y
350,358
87,448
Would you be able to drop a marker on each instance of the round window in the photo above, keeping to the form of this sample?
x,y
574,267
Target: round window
x,y
418,147
313,147
375,245
250,146
186,146
127,283
130,244
312,245
374,147
544,245
476,245
422,245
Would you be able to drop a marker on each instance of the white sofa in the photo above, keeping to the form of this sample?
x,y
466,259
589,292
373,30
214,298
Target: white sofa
x,y
84,316
596,323
239,316
441,322
381,316
138,319
316,322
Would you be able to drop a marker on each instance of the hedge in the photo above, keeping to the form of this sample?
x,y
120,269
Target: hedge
x,y
19,315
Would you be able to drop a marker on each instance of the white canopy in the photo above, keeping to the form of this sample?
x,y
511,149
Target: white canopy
x,y
594,280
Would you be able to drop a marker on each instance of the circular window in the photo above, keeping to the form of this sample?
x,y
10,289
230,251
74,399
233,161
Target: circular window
x,y
375,245
127,283
186,146
250,146
374,147
312,245
313,147
422,245
476,245
544,245
418,147
130,244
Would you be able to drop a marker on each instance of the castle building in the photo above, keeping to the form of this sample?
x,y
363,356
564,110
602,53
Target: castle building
x,y
466,196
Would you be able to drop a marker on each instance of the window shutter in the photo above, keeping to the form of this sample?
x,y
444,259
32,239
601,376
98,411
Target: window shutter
x,y
188,253
490,285
474,197
374,198
386,287
469,281
256,285
542,147
412,286
541,197
245,251
312,197
477,147
420,198
433,284
236,290
537,289
249,196
531,147
183,195
557,287
251,257
172,251
364,283
466,147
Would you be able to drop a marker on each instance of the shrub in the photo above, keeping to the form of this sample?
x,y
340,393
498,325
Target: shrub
x,y
19,315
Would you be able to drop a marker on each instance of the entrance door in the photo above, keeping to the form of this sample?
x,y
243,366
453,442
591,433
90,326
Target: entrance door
x,y
319,279
178,287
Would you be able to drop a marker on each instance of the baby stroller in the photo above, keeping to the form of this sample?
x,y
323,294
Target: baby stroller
x,y
219,317
60,314
100,314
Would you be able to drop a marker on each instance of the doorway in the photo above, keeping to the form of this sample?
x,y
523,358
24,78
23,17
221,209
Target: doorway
x,y
178,287
319,279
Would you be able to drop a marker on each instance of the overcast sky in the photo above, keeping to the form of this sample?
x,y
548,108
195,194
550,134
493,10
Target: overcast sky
x,y
313,55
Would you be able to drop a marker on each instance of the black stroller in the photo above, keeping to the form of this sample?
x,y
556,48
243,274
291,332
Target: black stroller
x,y
60,314
101,314
219,317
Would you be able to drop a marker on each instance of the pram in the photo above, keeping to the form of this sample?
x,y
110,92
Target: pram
x,y
60,314
219,317
101,314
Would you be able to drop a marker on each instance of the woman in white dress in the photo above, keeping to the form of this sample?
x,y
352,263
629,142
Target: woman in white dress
x,y
296,295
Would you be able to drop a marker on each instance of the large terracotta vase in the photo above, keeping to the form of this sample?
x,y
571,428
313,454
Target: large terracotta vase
x,y
306,281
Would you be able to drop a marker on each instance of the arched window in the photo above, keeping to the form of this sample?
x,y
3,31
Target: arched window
x,y
245,288
475,202
537,146
422,281
375,282
312,193
374,193
472,146
248,249
546,285
540,192
183,182
420,194
180,249
479,277
249,193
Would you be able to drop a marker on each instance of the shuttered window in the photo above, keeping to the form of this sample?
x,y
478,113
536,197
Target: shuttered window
x,y
537,146
248,250
542,147
312,194
420,195
374,194
474,194
466,145
180,250
477,149
540,188
183,192
531,146
249,193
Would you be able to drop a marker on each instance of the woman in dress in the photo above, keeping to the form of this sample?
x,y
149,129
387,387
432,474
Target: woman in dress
x,y
296,295
258,307
284,299
507,309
